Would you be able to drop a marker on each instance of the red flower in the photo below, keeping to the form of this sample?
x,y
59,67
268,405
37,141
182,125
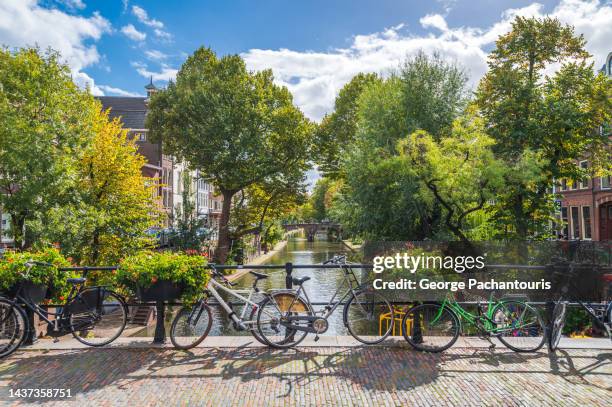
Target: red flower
x,y
61,297
153,280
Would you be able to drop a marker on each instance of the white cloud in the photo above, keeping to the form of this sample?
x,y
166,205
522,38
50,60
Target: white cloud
x,y
142,16
25,23
315,78
132,33
118,91
162,34
165,74
155,55
73,4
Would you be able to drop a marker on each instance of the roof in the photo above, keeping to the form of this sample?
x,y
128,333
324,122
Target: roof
x,y
131,110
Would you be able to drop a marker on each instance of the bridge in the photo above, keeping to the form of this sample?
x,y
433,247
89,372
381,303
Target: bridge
x,y
333,230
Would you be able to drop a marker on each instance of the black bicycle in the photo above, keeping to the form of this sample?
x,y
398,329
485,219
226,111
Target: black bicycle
x,y
94,315
600,313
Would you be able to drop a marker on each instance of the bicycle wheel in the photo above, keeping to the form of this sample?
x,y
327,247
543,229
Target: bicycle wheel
x,y
191,326
13,327
253,325
362,315
430,327
99,322
557,324
276,309
519,326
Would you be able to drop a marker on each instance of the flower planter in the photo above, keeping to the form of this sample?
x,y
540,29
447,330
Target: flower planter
x,y
161,290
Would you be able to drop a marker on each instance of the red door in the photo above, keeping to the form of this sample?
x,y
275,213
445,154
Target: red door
x,y
605,222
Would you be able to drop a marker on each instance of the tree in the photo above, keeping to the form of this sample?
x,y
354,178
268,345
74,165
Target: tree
x,y
550,120
383,197
237,127
112,204
336,132
460,171
433,93
46,122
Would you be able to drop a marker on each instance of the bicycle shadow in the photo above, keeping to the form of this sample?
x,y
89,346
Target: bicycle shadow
x,y
386,369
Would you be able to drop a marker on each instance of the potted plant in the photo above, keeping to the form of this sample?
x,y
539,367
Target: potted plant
x,y
39,282
163,276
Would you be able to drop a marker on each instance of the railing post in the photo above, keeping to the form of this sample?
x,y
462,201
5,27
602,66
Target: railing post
x,y
160,329
31,337
288,278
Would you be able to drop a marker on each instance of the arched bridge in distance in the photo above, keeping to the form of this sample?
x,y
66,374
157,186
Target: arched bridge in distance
x,y
333,230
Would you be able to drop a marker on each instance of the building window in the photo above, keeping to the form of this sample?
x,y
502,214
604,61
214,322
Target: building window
x,y
563,186
141,136
605,182
575,224
584,183
564,221
586,222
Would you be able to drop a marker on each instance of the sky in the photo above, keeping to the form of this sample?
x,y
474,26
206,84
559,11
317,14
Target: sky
x,y
313,47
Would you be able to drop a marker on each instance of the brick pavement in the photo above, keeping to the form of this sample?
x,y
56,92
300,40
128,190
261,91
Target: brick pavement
x,y
312,376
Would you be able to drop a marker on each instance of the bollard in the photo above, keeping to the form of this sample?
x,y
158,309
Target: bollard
x,y
288,278
160,329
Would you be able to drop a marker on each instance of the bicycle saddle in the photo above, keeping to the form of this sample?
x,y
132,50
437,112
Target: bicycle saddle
x,y
300,281
79,280
258,276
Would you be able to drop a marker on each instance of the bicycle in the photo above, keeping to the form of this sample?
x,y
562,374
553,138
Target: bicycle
x,y
361,314
95,316
600,313
435,327
192,324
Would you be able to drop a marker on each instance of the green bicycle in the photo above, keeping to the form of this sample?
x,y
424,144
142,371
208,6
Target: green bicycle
x,y
435,327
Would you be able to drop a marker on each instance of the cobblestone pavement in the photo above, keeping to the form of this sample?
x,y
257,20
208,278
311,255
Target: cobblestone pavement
x,y
311,376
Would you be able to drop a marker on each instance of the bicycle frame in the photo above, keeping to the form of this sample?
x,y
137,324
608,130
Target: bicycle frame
x,y
331,305
74,292
489,326
212,287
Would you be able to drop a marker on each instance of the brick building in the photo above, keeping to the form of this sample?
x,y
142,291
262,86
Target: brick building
x,y
586,205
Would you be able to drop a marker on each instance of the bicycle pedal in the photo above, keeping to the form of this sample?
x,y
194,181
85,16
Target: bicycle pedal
x,y
56,340
316,339
492,346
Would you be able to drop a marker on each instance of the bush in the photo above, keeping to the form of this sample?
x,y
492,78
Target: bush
x,y
146,268
13,271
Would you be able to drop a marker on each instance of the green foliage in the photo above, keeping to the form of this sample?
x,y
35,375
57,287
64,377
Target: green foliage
x,y
433,93
46,122
459,171
336,132
13,270
236,127
548,121
146,268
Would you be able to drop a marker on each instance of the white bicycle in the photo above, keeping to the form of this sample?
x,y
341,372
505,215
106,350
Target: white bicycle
x,y
192,324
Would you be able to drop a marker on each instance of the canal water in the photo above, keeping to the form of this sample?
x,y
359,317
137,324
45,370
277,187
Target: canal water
x,y
320,288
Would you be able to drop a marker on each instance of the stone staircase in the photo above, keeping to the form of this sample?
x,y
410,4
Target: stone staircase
x,y
143,315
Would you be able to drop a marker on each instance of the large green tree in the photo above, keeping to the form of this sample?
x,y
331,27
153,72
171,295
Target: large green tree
x,y
45,123
541,117
237,127
336,132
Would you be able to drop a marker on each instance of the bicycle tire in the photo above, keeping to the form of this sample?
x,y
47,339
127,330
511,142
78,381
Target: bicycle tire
x,y
185,312
19,322
505,339
387,308
557,324
76,326
288,340
430,316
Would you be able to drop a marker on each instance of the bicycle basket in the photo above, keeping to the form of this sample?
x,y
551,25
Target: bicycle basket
x,y
32,293
87,300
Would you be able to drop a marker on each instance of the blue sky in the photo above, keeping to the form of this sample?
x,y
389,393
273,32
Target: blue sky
x,y
313,47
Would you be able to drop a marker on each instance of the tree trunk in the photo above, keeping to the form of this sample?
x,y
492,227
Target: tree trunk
x,y
224,236
18,229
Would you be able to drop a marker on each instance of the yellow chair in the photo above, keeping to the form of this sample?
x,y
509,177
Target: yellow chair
x,y
398,315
